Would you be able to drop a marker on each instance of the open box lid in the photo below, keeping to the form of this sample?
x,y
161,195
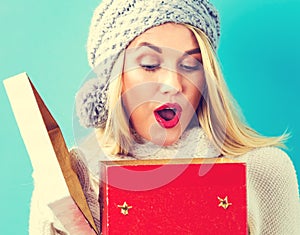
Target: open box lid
x,y
44,141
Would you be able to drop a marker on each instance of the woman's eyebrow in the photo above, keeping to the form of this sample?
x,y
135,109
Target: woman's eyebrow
x,y
153,47
193,51
159,50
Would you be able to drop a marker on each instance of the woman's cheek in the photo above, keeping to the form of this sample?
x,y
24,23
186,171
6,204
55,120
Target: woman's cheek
x,y
137,95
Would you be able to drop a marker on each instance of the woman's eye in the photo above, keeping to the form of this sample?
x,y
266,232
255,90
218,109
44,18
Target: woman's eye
x,y
191,67
150,67
190,64
149,62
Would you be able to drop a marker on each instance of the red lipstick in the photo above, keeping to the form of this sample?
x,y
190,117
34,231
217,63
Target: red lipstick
x,y
168,115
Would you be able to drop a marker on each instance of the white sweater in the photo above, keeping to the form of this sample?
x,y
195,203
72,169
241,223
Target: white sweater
x,y
272,188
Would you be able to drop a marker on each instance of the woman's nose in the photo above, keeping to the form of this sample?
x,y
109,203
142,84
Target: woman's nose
x,y
170,82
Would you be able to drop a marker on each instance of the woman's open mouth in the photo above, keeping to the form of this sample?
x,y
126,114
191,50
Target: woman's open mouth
x,y
168,115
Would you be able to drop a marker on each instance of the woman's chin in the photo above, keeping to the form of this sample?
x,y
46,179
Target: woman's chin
x,y
159,135
171,139
166,137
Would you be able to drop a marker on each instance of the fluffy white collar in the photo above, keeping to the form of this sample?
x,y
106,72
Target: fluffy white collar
x,y
193,143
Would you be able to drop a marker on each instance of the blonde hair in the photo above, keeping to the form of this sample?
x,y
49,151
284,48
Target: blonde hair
x,y
218,113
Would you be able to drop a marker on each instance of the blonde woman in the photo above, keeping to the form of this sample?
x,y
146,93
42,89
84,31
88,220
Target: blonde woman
x,y
159,91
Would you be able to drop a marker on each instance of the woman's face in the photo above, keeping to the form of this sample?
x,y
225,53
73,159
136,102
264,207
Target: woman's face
x,y
162,82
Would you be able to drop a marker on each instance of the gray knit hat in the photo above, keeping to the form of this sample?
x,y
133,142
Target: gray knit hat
x,y
114,25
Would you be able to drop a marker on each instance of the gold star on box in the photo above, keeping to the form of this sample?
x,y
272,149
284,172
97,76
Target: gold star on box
x,y
124,208
224,202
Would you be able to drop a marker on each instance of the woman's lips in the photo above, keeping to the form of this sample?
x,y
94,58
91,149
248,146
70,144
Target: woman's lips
x,y
168,115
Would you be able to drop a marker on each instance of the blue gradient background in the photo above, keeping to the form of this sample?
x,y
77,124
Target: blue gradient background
x,y
259,53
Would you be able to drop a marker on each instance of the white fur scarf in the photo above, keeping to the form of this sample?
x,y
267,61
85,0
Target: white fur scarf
x,y
193,143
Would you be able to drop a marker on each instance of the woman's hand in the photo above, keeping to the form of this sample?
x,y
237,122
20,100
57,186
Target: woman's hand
x,y
70,220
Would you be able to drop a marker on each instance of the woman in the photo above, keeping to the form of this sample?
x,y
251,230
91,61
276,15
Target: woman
x,y
159,89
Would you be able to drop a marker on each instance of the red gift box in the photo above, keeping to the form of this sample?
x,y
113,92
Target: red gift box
x,y
198,196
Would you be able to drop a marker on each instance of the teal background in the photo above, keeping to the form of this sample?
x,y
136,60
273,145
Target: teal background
x,y
259,53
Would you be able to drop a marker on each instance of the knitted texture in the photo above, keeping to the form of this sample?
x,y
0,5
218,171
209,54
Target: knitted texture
x,y
115,24
89,186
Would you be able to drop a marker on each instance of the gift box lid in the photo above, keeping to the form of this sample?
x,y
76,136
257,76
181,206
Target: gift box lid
x,y
182,196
